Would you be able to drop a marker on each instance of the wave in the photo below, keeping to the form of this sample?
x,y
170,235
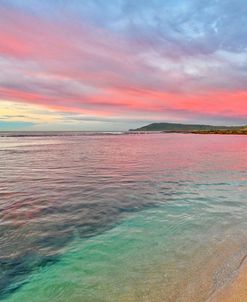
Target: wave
x,y
59,133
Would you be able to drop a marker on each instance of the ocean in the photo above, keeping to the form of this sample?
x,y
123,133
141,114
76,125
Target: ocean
x,y
108,217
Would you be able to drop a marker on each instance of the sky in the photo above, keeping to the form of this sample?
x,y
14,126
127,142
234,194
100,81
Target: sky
x,y
120,64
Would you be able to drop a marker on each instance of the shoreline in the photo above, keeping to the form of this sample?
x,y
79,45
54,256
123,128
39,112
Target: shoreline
x,y
235,290
221,132
204,132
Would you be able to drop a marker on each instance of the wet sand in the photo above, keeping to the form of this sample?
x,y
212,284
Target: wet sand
x,y
236,291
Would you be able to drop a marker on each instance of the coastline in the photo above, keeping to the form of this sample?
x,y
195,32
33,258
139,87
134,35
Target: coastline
x,y
234,291
222,132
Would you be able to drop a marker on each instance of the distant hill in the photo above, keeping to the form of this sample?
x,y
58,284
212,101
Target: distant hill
x,y
173,127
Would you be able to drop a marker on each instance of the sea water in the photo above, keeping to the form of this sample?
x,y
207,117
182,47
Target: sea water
x,y
105,217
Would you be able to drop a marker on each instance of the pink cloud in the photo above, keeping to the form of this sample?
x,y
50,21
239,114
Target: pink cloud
x,y
86,69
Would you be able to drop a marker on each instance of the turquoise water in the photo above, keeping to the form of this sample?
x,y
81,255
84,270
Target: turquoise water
x,y
159,217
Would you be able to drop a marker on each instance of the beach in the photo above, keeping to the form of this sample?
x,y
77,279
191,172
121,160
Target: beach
x,y
234,291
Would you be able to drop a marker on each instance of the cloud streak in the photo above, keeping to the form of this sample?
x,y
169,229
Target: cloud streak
x,y
144,60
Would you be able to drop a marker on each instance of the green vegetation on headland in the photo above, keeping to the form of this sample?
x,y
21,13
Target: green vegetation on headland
x,y
221,131
192,128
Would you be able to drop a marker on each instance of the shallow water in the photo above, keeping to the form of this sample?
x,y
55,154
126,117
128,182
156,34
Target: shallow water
x,y
158,217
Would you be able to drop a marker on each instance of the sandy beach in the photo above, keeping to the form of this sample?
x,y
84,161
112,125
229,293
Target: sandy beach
x,y
236,291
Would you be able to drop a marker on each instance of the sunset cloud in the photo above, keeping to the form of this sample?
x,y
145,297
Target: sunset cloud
x,y
125,62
